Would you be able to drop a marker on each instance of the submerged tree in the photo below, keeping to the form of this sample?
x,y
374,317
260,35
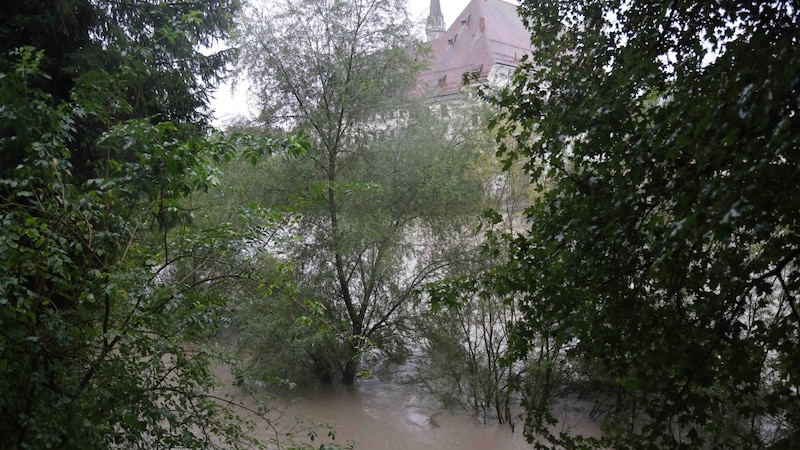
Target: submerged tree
x,y
463,344
381,180
662,253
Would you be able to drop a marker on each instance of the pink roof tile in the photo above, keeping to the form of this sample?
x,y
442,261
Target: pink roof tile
x,y
485,34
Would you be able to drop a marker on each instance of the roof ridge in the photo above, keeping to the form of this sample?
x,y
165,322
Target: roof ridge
x,y
486,35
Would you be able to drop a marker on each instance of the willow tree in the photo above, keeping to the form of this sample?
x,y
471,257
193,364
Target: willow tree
x,y
662,254
381,175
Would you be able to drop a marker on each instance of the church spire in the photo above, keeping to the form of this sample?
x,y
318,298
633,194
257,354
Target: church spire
x,y
435,25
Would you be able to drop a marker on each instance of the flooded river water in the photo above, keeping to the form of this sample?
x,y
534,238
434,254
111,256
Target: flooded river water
x,y
381,413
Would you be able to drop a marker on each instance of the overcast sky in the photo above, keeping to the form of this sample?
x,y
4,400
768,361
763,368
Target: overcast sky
x,y
450,9
228,104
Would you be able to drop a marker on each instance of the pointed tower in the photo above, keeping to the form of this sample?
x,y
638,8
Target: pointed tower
x,y
435,26
484,45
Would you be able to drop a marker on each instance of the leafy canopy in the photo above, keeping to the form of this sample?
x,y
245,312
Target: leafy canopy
x,y
663,249
103,319
382,175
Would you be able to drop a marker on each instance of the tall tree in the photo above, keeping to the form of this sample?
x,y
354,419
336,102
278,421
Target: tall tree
x,y
663,251
101,142
131,59
380,171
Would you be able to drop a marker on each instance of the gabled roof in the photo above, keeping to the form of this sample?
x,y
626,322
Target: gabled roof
x,y
486,34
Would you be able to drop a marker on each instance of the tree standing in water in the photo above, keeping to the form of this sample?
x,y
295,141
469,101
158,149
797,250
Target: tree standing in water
x,y
382,176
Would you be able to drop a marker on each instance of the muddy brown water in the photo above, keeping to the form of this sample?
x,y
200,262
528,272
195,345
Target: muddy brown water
x,y
380,413
384,415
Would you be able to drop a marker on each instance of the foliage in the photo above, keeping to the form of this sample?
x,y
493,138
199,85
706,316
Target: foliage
x,y
108,294
463,327
662,251
377,194
328,66
399,212
93,315
463,355
120,60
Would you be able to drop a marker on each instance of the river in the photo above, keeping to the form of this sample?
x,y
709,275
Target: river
x,y
381,413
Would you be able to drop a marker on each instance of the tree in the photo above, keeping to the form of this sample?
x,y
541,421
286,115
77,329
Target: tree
x,y
663,249
398,234
463,351
462,345
103,322
381,174
126,59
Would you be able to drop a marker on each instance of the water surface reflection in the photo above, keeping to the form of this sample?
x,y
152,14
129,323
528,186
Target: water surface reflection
x,y
384,413
387,415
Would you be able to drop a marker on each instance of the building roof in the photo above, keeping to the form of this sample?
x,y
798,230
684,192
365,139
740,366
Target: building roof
x,y
486,34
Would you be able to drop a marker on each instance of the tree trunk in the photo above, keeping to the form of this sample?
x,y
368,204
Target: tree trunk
x,y
349,372
350,369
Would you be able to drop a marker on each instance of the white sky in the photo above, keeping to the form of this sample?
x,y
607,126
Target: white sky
x,y
228,104
418,9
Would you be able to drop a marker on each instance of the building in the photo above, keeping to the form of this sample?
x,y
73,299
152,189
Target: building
x,y
484,45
